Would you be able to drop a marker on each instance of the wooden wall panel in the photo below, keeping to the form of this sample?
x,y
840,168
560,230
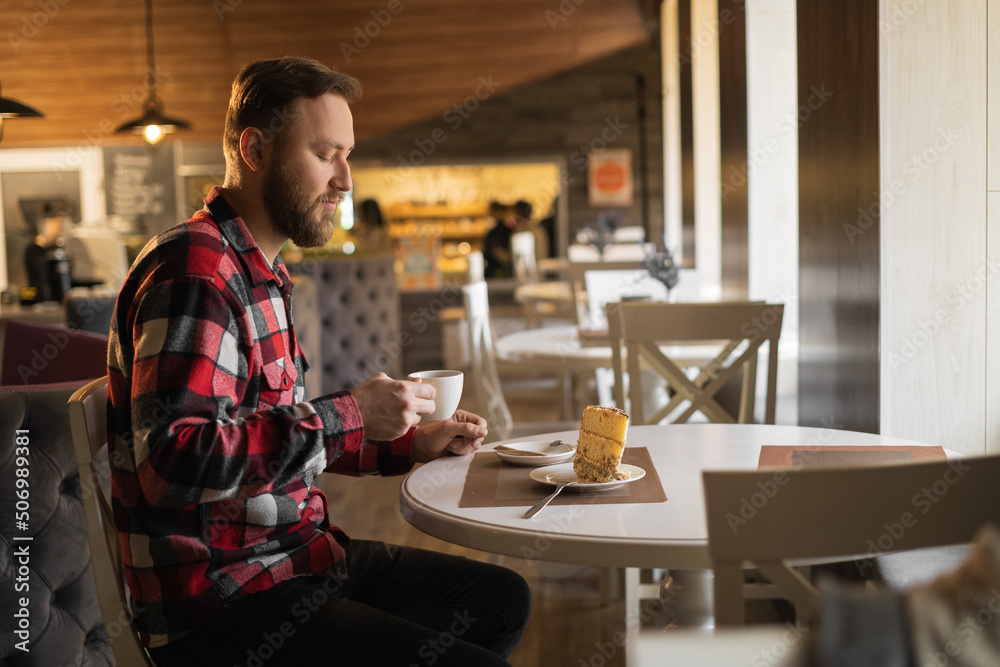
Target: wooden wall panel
x,y
993,226
838,63
734,187
686,133
935,263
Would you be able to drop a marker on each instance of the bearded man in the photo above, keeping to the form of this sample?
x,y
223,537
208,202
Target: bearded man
x,y
229,553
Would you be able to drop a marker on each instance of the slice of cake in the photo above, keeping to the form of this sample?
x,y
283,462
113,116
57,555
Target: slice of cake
x,y
601,445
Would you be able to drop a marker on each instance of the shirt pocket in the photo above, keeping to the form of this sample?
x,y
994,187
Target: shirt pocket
x,y
278,383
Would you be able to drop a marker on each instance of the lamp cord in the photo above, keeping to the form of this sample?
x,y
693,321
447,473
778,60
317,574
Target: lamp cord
x,y
150,62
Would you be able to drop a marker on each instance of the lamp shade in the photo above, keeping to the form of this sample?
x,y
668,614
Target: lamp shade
x,y
13,109
153,123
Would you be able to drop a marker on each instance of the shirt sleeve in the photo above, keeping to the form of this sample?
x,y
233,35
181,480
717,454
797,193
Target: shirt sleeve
x,y
193,440
382,457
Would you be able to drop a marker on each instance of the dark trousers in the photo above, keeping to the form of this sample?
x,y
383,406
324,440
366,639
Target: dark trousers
x,y
399,606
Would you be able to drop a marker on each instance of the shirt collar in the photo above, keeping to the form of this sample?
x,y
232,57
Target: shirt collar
x,y
236,234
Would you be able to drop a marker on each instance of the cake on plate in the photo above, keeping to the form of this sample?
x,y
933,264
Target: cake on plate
x,y
601,444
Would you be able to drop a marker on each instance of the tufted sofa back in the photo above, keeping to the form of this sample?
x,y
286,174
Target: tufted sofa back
x,y
359,330
63,623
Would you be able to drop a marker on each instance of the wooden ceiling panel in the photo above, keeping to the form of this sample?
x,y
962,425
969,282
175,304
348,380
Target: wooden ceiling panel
x,y
83,63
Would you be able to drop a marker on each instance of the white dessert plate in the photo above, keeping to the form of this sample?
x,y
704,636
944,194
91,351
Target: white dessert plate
x,y
557,474
549,454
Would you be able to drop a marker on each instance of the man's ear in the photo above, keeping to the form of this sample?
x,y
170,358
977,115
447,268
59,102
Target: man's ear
x,y
252,148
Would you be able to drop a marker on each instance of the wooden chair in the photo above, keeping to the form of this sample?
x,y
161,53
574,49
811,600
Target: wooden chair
x,y
88,409
522,250
771,518
578,284
739,328
483,387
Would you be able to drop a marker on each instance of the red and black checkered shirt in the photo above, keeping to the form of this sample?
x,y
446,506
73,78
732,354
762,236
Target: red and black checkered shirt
x,y
213,449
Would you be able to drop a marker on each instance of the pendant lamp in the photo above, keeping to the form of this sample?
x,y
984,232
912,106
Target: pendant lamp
x,y
152,124
13,109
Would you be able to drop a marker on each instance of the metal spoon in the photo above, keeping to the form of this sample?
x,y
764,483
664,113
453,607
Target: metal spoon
x,y
545,501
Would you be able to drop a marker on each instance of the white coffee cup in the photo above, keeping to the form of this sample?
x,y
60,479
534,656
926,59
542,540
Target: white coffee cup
x,y
447,388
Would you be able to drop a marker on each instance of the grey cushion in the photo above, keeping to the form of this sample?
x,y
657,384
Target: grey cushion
x,y
64,618
358,319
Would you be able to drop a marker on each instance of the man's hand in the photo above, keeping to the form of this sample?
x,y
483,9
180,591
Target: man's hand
x,y
390,407
462,434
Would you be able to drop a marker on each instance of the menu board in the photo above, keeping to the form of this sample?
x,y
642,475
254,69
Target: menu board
x,y
139,184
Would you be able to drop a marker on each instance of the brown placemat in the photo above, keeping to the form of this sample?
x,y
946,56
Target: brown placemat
x,y
844,455
492,483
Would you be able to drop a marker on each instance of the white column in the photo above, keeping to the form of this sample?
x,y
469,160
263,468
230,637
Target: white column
x,y
707,159
670,53
772,171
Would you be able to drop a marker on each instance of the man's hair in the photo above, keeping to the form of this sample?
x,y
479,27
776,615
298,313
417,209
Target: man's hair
x,y
264,93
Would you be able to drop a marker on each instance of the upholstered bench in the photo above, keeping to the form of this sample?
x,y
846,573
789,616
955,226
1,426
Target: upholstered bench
x,y
358,313
50,572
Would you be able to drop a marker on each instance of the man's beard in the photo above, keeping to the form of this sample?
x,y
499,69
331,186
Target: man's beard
x,y
294,213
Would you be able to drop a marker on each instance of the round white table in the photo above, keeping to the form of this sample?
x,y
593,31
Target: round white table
x,y
669,534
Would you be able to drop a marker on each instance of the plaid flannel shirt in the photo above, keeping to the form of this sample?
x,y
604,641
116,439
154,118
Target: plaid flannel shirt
x,y
213,449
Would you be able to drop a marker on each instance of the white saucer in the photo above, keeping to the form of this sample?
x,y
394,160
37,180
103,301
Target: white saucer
x,y
554,475
557,454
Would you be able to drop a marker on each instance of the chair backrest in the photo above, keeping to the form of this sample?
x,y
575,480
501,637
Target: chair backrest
x,y
578,272
476,270
36,353
522,251
769,517
736,330
483,380
616,252
88,413
604,287
631,234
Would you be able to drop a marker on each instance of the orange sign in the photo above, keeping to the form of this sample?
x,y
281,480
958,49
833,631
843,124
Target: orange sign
x,y
610,177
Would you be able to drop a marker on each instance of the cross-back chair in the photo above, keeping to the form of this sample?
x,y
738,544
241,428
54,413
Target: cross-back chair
x,y
735,331
828,514
522,251
578,283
